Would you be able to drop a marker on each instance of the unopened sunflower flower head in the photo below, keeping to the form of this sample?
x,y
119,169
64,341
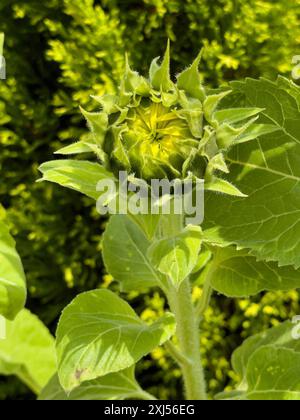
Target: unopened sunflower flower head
x,y
155,128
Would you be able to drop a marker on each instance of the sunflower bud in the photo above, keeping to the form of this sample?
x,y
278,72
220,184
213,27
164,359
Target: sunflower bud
x,y
156,128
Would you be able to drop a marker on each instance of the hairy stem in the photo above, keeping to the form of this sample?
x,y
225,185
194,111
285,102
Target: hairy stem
x,y
175,352
181,304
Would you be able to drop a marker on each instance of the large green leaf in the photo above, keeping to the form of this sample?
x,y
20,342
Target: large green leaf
x,y
268,171
268,365
12,278
280,336
80,176
114,386
28,351
125,249
177,256
274,374
99,333
238,274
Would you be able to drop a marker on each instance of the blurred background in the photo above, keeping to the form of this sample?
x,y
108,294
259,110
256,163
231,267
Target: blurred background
x,y
58,53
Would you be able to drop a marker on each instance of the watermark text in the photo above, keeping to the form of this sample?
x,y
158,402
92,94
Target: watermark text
x,y
135,196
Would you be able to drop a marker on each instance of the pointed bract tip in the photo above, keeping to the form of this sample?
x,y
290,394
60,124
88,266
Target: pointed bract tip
x,y
127,65
167,56
84,112
198,59
168,45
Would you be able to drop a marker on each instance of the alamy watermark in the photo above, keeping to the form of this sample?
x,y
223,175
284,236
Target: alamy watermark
x,y
2,68
296,329
296,69
135,196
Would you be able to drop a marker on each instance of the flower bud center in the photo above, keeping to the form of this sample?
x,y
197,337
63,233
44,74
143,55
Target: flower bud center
x,y
157,129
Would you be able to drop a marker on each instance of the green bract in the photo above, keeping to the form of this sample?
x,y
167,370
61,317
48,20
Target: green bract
x,y
155,128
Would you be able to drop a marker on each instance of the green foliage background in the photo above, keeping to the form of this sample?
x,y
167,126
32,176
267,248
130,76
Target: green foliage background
x,y
58,53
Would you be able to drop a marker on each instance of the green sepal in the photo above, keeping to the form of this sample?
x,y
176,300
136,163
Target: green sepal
x,y
195,122
160,74
224,187
119,152
74,149
227,135
235,115
108,102
190,80
255,131
217,163
169,99
134,83
210,105
98,124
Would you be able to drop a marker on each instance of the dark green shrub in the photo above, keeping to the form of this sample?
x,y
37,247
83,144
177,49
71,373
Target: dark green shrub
x,y
241,38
